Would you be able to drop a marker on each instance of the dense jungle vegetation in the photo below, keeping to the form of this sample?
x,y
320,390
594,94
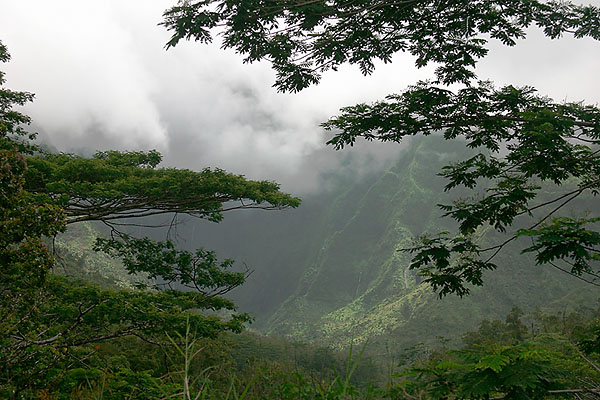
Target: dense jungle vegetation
x,y
127,316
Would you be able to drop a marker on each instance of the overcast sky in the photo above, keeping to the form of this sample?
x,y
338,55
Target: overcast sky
x,y
103,80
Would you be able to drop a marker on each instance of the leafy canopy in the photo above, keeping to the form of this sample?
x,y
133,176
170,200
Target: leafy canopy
x,y
509,372
509,360
526,145
113,186
304,38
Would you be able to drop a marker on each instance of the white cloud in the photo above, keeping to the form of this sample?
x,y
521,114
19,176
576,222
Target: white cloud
x,y
104,80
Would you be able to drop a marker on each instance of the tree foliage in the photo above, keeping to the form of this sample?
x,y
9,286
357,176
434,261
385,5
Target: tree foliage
x,y
513,372
304,38
24,258
526,145
113,186
503,360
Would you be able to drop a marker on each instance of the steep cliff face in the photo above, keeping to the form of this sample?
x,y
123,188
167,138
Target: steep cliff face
x,y
358,283
355,282
332,271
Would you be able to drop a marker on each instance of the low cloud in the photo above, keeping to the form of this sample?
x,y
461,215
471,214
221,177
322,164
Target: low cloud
x,y
103,80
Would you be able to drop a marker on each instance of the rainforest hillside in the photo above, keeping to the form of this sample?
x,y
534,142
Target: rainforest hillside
x,y
332,271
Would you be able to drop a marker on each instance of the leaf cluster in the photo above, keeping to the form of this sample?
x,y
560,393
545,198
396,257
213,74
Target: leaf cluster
x,y
503,360
516,372
117,185
167,266
304,38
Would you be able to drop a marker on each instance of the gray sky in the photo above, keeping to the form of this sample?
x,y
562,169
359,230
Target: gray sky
x,y
103,80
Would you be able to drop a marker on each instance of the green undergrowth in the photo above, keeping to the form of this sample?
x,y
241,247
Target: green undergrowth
x,y
536,355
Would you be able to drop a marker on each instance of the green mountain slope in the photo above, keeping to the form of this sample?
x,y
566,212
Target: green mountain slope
x,y
331,272
359,269
76,259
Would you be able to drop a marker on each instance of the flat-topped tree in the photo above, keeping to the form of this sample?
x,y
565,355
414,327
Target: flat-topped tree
x,y
113,185
543,142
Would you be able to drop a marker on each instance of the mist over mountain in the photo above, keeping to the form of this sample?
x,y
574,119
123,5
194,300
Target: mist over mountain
x,y
153,240
332,271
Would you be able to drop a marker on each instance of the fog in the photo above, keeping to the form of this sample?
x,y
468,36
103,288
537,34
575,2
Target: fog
x,y
103,80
